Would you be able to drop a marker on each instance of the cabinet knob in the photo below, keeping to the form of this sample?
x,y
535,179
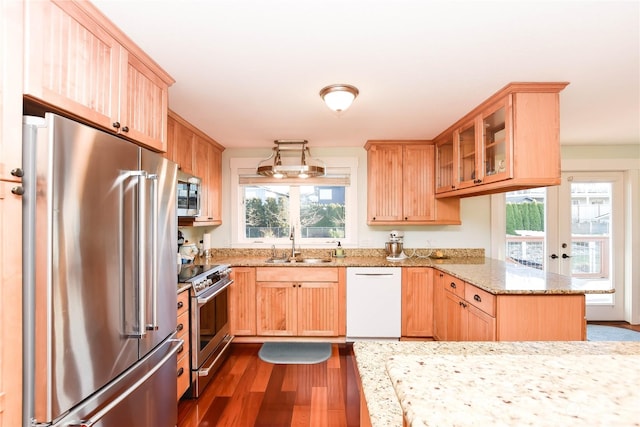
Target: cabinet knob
x,y
180,372
18,191
125,129
116,125
180,304
17,172
453,285
477,298
180,327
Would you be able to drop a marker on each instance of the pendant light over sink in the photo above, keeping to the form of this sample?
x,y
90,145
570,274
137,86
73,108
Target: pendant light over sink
x,y
291,159
339,97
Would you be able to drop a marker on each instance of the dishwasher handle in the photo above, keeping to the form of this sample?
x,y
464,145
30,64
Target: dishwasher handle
x,y
375,274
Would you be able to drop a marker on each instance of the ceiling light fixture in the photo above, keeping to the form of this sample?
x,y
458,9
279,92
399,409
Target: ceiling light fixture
x,y
298,164
339,97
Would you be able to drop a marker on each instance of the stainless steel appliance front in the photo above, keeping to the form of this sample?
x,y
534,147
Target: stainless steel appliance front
x,y
210,331
189,189
99,219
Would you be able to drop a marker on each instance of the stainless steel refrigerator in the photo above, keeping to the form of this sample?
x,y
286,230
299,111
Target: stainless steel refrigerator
x,y
100,278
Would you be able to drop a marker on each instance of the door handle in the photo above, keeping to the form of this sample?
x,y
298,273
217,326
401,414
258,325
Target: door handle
x,y
553,256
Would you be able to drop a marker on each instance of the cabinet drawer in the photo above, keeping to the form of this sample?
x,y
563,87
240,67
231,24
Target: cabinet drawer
x,y
296,274
454,285
481,299
183,302
183,374
183,325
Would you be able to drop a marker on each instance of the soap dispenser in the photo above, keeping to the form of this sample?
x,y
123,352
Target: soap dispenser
x,y
339,251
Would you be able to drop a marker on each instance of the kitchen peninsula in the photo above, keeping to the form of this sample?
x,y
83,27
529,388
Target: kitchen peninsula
x,y
404,381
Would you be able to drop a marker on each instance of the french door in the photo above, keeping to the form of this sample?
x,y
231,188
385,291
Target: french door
x,y
574,229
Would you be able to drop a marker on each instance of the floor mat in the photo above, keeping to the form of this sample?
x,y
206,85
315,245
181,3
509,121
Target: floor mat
x,y
611,333
295,353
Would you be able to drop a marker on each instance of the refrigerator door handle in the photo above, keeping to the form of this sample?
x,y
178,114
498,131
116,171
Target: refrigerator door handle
x,y
121,397
153,326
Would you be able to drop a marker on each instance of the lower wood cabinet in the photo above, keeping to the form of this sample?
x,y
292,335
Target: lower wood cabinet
x,y
417,302
297,301
242,301
182,329
464,312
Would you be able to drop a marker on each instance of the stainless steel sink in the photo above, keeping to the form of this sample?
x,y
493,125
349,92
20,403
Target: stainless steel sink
x,y
277,261
314,260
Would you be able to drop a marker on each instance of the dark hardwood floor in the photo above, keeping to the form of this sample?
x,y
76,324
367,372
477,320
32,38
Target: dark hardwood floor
x,y
249,392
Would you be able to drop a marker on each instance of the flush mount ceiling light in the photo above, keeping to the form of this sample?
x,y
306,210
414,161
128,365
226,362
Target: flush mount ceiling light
x,y
339,97
291,159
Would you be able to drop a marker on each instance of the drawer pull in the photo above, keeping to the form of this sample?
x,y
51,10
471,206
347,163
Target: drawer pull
x,y
462,304
180,327
453,285
180,305
180,349
477,298
180,371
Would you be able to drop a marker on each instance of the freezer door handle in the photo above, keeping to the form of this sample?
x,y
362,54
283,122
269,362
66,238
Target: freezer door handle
x,y
153,326
142,252
176,343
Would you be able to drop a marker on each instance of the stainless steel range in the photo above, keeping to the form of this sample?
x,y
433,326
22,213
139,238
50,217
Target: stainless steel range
x,y
210,333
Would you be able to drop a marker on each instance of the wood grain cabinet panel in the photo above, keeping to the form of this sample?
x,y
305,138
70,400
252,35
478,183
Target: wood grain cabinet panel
x,y
77,61
183,372
242,301
401,185
417,302
298,301
198,154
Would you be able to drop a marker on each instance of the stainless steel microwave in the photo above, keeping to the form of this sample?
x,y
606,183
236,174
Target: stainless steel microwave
x,y
189,192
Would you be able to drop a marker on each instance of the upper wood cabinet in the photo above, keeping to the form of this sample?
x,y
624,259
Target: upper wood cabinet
x,y
401,187
198,154
77,61
509,142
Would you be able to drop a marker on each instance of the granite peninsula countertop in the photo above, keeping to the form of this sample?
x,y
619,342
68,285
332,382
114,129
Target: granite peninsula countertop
x,y
413,364
494,276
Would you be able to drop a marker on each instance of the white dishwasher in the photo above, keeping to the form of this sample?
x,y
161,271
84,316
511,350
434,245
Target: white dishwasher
x,y
373,302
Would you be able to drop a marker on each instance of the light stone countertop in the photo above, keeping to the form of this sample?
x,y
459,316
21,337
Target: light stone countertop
x,y
383,403
494,276
507,390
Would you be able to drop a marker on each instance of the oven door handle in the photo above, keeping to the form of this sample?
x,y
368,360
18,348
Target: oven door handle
x,y
206,298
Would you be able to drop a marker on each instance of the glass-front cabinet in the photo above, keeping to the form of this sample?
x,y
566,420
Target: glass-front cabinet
x,y
445,177
467,155
496,144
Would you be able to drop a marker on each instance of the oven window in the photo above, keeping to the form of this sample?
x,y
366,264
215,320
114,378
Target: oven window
x,y
213,317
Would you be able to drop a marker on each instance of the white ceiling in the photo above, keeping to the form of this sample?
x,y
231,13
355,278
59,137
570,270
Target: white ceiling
x,y
249,71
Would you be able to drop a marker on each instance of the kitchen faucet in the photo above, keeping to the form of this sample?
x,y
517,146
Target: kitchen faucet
x,y
292,237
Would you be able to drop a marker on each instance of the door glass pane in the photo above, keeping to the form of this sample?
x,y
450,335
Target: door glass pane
x,y
444,167
266,210
591,236
467,154
494,143
525,227
322,211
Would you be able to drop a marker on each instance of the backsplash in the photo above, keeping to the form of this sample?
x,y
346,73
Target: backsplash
x,y
370,252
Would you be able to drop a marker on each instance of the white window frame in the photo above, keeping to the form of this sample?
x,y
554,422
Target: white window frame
x,y
240,166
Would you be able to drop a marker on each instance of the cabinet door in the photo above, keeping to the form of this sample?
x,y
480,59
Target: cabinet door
x,y
467,155
201,169
417,302
71,62
318,309
445,168
496,142
480,325
439,311
214,193
418,188
184,141
456,318
384,183
276,307
143,104
242,301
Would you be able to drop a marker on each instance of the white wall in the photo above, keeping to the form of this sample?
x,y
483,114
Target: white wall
x,y
475,212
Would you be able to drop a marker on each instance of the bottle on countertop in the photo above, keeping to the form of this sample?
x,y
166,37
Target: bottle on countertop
x,y
339,250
